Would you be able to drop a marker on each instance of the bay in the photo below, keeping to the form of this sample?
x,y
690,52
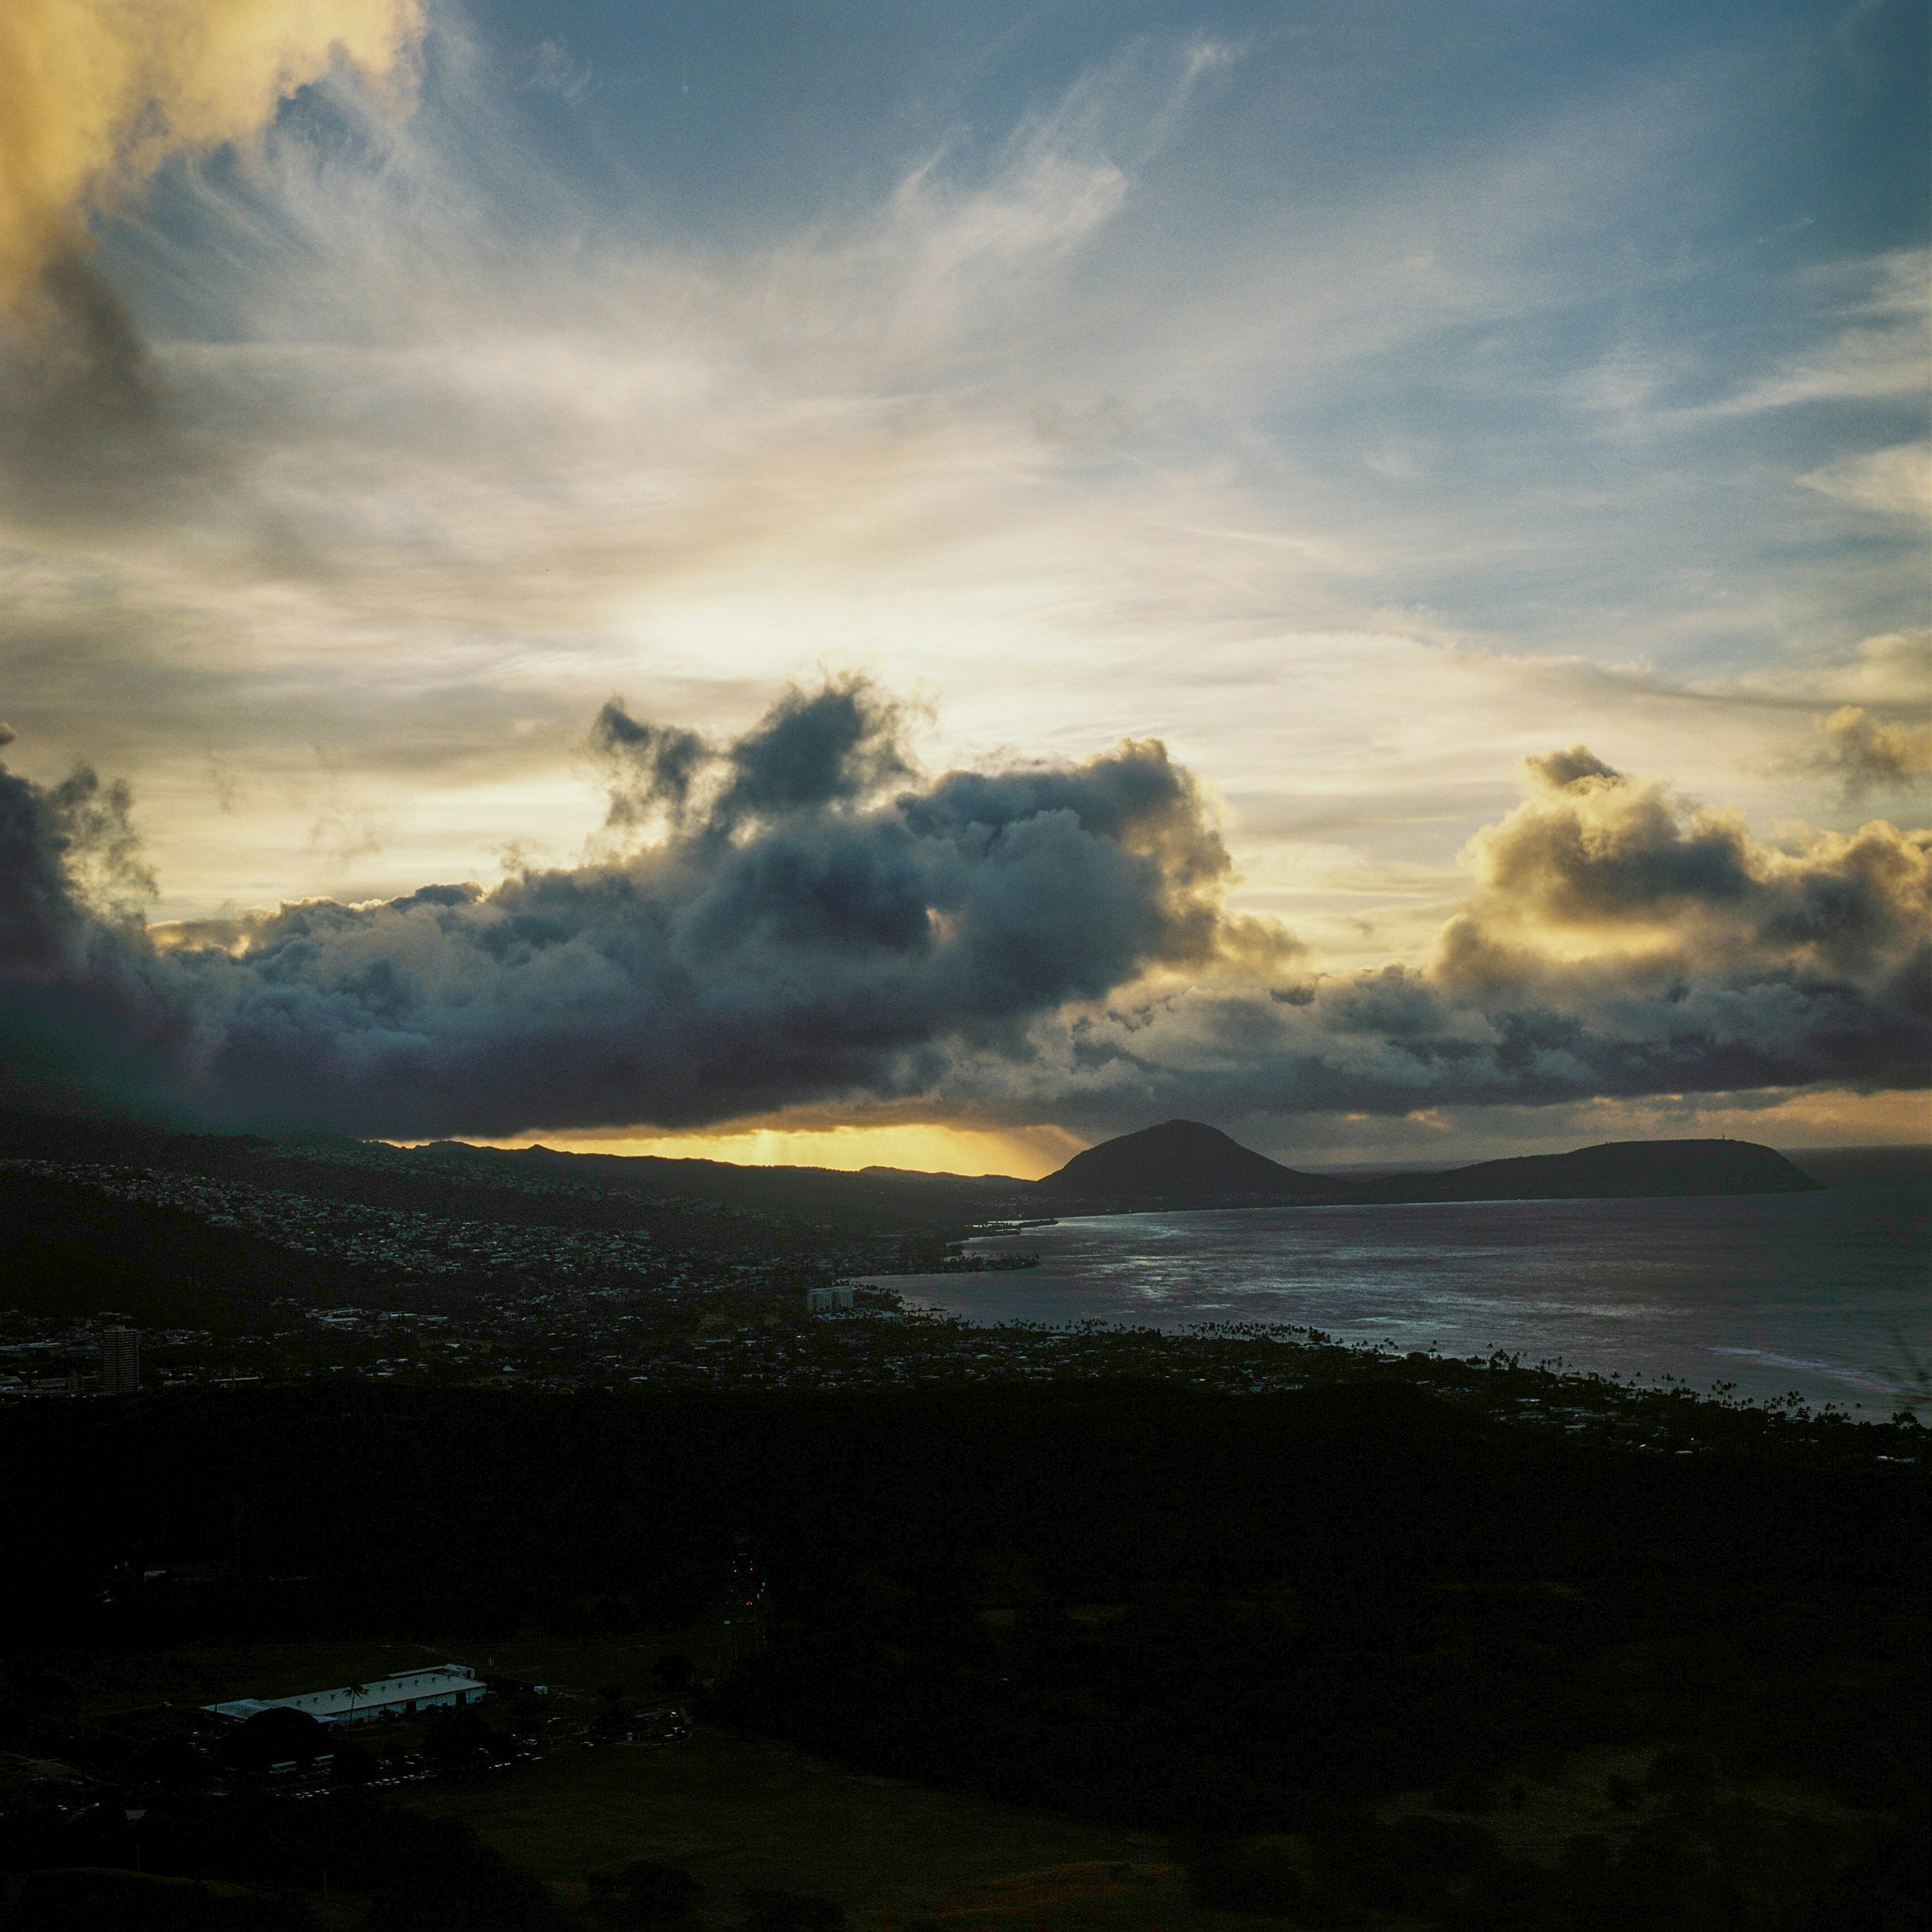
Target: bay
x,y
1828,1295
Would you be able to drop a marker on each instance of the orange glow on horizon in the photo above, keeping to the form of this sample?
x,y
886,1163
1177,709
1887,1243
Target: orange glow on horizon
x,y
1026,1153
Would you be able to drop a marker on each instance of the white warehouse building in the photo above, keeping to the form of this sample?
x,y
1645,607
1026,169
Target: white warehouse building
x,y
404,1696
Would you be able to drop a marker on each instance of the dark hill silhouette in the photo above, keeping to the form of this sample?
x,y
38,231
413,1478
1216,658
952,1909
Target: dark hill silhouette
x,y
122,1257
1185,1163
1177,1161
530,1186
1615,1168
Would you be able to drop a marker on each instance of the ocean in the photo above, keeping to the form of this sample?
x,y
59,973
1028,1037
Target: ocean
x,y
1828,1295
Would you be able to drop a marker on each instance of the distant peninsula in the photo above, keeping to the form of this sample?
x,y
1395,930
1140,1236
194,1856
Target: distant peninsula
x,y
1189,1164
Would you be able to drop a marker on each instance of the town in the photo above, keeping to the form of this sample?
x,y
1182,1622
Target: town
x,y
527,1282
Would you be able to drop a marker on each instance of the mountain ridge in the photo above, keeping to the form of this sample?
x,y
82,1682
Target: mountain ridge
x,y
1175,1164
1176,1157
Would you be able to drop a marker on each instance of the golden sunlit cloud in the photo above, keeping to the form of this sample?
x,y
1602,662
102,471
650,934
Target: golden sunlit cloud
x,y
1832,1118
1866,752
1596,865
96,94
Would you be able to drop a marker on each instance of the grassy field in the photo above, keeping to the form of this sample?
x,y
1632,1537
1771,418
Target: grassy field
x,y
744,1813
900,1857
736,1813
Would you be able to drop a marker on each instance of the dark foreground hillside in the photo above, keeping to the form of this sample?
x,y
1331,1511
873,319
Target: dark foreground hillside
x,y
1252,1624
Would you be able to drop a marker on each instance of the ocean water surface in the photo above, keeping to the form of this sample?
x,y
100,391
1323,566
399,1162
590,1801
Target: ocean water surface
x,y
1829,1294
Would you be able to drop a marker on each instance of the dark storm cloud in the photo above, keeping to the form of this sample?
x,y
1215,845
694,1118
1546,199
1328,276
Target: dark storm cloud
x,y
86,1010
652,767
71,870
816,924
812,750
1396,1043
811,922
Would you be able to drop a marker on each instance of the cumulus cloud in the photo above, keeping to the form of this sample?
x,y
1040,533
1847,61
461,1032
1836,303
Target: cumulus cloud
x,y
812,749
797,917
813,920
1596,867
434,431
1865,753
1616,944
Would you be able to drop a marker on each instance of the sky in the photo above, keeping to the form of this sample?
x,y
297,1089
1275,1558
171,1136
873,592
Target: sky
x,y
892,582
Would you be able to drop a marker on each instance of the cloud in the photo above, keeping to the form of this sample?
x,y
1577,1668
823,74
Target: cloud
x,y
1880,357
1894,669
554,69
814,921
422,444
85,1014
1595,866
1865,753
1054,397
1617,945
795,918
810,751
1893,482
87,433
95,97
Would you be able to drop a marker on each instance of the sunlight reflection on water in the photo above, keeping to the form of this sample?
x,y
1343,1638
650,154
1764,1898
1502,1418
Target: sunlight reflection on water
x,y
1824,1293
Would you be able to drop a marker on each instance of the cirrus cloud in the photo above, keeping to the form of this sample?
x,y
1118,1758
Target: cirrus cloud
x,y
94,97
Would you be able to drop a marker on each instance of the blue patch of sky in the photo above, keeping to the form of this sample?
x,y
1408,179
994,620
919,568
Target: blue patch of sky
x,y
760,113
